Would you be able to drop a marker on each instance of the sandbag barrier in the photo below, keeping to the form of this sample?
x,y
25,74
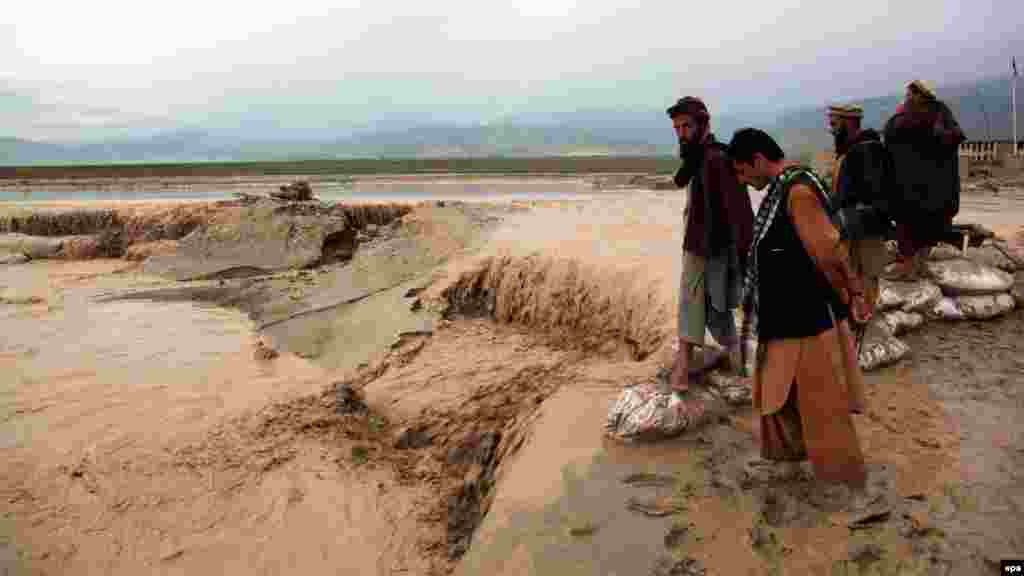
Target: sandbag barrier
x,y
957,289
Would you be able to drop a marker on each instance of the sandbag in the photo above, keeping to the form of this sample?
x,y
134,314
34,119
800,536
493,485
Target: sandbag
x,y
651,411
879,352
730,388
1018,296
945,252
980,307
142,250
996,253
960,277
907,296
34,247
899,322
15,258
81,248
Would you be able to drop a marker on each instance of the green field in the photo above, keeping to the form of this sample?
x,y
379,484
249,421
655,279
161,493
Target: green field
x,y
494,166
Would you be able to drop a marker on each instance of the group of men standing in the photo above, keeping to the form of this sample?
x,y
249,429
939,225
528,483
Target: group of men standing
x,y
808,265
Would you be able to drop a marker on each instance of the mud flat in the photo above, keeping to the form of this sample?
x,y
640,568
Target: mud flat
x,y
431,401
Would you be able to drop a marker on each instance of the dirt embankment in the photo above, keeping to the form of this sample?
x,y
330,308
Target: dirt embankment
x,y
473,445
303,233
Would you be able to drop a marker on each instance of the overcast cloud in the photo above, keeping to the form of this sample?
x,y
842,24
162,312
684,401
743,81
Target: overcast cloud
x,y
92,69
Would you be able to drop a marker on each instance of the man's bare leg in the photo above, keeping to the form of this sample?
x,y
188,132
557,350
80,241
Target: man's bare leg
x,y
681,369
734,358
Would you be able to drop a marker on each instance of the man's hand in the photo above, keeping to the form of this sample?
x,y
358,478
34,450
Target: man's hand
x,y
860,310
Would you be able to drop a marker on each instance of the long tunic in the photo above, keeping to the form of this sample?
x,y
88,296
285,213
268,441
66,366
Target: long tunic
x,y
806,388
926,172
718,208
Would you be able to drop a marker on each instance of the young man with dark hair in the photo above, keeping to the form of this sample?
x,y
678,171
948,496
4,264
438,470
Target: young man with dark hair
x,y
719,224
798,291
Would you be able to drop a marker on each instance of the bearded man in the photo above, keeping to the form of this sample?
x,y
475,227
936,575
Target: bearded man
x,y
718,231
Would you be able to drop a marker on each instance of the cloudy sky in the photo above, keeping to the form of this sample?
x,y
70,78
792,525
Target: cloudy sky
x,y
73,70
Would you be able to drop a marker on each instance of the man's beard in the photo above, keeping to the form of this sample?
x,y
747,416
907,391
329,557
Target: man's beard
x,y
686,149
694,146
692,155
841,139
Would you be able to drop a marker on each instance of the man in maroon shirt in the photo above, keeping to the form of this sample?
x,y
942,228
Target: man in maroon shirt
x,y
718,233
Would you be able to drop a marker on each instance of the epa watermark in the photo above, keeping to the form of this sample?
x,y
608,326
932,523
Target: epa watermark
x,y
1011,567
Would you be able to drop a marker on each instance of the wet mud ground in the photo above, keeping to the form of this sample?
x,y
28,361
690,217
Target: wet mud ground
x,y
454,443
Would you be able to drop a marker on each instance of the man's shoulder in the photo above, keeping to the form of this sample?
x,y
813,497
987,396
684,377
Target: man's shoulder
x,y
802,192
801,174
717,162
803,181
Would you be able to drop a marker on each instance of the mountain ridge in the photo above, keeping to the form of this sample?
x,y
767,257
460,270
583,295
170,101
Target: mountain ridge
x,y
981,107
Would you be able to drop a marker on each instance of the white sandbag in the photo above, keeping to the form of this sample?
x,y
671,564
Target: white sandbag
x,y
32,246
959,277
651,411
980,307
15,258
878,352
995,253
944,252
907,296
729,387
987,306
1018,296
899,322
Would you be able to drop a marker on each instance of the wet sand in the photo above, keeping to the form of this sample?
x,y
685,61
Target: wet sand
x,y
148,436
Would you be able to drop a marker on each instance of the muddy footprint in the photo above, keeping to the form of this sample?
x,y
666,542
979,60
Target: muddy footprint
x,y
656,507
644,479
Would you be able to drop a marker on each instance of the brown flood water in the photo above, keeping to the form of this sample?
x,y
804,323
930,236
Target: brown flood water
x,y
105,423
128,444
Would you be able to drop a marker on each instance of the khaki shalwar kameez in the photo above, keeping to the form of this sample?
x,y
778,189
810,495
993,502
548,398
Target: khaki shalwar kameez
x,y
805,389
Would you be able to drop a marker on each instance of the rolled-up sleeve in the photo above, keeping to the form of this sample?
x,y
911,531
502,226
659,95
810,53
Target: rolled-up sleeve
x,y
822,242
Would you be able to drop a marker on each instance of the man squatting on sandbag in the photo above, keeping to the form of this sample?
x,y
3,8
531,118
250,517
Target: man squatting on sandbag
x,y
922,138
719,225
798,291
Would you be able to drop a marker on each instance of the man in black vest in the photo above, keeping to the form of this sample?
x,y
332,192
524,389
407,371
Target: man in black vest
x,y
798,291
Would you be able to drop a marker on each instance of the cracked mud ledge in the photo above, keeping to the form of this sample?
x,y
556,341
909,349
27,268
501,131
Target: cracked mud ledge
x,y
470,438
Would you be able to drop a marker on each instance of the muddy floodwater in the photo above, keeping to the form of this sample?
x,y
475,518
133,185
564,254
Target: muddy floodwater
x,y
435,404
338,189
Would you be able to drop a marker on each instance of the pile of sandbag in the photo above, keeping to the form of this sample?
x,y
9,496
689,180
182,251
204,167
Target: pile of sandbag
x,y
901,308
971,290
958,289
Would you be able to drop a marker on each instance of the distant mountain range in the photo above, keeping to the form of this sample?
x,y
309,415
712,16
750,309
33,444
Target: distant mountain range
x,y
981,107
